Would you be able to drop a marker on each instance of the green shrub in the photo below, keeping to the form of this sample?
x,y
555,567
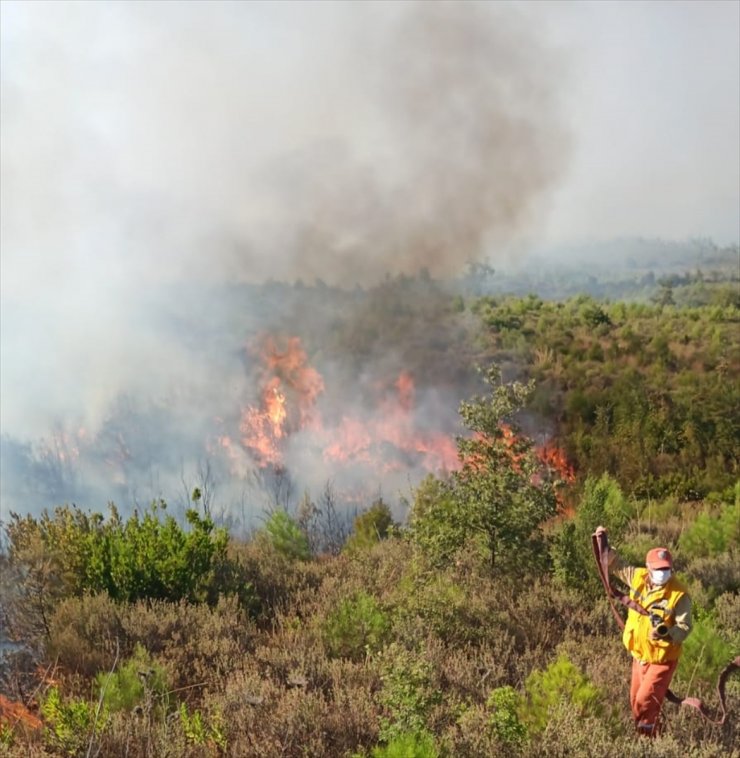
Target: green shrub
x,y
356,627
72,724
440,602
420,745
202,730
139,681
6,736
370,527
149,556
602,503
286,537
711,535
407,694
506,703
561,681
705,654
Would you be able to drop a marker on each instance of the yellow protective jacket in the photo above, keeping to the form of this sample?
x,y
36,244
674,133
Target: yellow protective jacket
x,y
670,603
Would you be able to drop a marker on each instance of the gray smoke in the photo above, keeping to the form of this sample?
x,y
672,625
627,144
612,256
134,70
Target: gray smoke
x,y
152,152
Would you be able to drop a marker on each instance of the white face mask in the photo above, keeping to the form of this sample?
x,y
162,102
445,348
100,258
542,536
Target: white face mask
x,y
659,577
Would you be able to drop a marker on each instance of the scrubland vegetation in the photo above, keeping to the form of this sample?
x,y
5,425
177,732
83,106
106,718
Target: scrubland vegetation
x,y
477,627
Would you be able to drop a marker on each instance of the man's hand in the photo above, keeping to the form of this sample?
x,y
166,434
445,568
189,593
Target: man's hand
x,y
599,531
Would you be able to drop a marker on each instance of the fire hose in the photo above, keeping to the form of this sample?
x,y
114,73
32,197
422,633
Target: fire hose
x,y
600,546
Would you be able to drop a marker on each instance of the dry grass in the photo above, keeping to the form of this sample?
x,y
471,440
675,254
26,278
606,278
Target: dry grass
x,y
267,687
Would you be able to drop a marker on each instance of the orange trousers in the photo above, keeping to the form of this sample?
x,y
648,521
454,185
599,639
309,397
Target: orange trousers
x,y
650,682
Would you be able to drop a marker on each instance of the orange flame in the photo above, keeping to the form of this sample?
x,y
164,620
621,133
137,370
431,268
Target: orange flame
x,y
291,389
390,439
284,371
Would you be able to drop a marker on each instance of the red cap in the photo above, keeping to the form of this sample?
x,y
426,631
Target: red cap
x,y
659,558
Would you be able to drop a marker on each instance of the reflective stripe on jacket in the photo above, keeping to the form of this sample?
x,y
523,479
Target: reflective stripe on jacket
x,y
660,602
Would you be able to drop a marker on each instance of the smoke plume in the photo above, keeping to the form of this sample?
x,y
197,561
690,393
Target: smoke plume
x,y
154,153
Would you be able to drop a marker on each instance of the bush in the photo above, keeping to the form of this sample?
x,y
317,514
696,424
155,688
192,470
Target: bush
x,y
727,616
139,681
72,723
505,703
718,574
370,527
602,503
440,603
711,535
84,632
202,730
356,627
408,746
561,681
286,537
275,579
705,654
144,557
407,694
198,645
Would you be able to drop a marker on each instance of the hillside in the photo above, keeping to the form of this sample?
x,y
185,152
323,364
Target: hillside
x,y
466,619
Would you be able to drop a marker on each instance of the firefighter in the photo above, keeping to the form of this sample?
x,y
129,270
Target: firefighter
x,y
655,639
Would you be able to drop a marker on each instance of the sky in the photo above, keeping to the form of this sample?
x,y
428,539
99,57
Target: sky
x,y
164,144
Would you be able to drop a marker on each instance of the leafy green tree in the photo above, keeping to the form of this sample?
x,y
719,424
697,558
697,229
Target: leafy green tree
x,y
498,499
